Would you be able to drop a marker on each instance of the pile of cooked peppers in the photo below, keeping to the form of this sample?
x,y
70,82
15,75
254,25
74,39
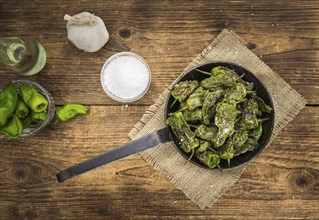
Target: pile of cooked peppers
x,y
22,106
217,118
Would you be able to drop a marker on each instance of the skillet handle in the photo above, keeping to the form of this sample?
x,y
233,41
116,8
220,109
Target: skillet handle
x,y
151,140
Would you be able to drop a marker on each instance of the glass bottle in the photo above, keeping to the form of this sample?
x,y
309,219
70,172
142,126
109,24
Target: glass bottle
x,y
22,54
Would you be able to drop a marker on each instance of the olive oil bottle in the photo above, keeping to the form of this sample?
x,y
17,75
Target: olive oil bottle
x,y
22,54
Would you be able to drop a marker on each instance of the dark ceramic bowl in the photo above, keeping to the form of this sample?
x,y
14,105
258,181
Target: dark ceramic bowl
x,y
262,92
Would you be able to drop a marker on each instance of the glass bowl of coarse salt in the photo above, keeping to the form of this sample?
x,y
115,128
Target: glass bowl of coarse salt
x,y
125,77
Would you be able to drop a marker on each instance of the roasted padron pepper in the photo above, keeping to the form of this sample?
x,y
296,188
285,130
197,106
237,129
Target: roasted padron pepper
x,y
69,111
237,93
262,105
35,100
192,116
217,82
219,117
251,142
227,151
8,102
206,133
225,119
13,128
250,113
209,107
182,131
196,99
204,145
183,89
208,157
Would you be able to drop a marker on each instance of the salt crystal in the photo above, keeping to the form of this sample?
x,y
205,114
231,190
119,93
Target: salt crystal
x,y
125,77
175,202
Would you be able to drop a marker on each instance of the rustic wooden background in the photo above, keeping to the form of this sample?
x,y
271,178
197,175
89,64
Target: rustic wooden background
x,y
283,182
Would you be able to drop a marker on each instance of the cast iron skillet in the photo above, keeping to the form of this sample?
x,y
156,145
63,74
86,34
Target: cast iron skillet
x,y
166,134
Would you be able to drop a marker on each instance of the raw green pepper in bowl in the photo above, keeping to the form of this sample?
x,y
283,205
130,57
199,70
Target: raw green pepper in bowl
x,y
25,108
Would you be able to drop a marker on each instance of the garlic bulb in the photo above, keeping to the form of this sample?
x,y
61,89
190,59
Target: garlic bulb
x,y
86,31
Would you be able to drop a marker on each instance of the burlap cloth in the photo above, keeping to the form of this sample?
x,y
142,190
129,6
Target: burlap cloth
x,y
204,186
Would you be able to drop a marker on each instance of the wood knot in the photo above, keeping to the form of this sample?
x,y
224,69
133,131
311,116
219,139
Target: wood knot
x,y
301,180
23,172
23,211
251,46
125,33
20,173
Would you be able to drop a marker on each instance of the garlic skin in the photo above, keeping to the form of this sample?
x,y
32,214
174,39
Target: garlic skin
x,y
86,31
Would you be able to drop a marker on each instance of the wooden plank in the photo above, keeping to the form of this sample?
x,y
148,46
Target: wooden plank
x,y
281,183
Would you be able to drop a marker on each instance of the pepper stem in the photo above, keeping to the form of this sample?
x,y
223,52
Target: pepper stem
x,y
173,103
193,151
42,108
204,72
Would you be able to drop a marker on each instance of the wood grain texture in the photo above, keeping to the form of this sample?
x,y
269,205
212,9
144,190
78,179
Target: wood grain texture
x,y
281,183
284,33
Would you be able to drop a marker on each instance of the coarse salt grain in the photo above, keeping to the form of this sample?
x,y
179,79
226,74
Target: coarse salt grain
x,y
125,77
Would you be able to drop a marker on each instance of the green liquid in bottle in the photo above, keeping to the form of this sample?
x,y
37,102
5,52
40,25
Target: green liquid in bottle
x,y
24,55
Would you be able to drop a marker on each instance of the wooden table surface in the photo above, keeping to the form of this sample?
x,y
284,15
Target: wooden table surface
x,y
283,182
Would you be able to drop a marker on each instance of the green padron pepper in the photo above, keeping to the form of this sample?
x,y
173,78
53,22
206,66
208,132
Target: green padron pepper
x,y
204,145
196,99
13,128
26,121
208,109
35,100
225,119
217,82
183,89
206,133
38,117
250,113
8,102
262,105
69,111
251,142
22,109
237,93
221,77
181,129
210,158
227,151
222,70
192,116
